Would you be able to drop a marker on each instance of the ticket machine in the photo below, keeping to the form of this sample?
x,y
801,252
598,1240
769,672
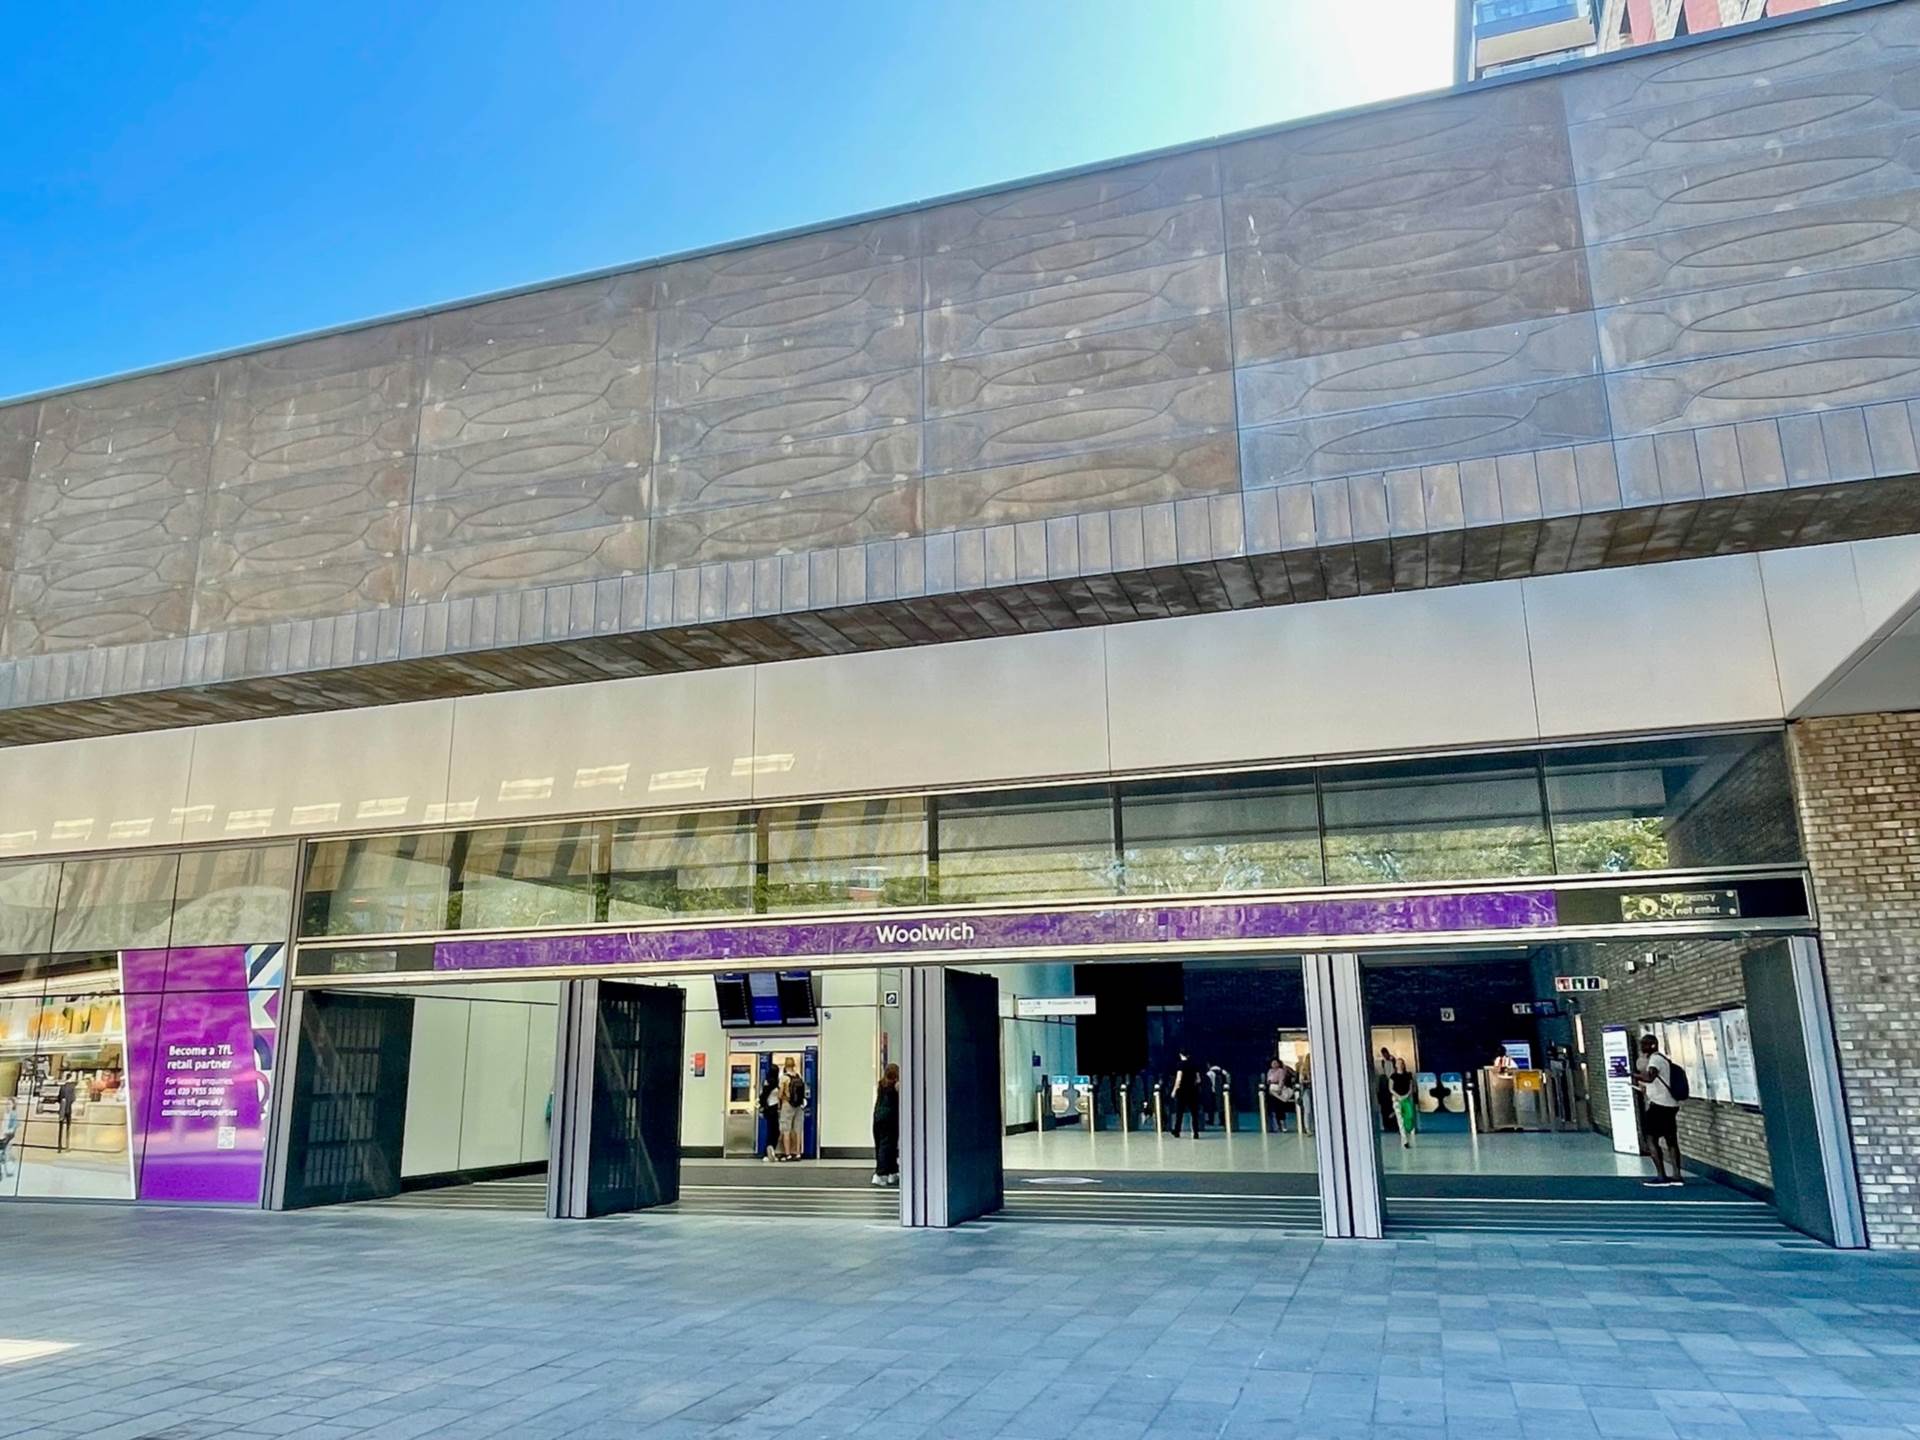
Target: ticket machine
x,y
744,1130
740,1131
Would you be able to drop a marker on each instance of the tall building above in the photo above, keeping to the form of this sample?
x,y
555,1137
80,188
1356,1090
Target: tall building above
x,y
1501,36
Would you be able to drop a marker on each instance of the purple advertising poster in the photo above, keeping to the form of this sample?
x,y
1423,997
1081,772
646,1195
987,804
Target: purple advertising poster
x,y
200,1047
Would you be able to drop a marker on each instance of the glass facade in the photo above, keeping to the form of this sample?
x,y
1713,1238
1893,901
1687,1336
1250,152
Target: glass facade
x,y
1700,803
139,1005
1225,832
1027,845
526,875
850,855
700,864
1466,818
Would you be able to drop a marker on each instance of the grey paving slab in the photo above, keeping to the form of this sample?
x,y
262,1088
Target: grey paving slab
x,y
356,1323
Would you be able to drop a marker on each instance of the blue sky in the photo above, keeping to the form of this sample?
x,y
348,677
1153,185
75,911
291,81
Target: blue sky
x,y
179,179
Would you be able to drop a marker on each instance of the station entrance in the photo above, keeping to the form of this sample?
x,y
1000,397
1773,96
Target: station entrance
x,y
1168,1093
1503,1081
1494,1077
749,1094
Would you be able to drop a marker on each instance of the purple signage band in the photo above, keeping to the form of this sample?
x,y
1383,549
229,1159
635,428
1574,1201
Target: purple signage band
x,y
1123,927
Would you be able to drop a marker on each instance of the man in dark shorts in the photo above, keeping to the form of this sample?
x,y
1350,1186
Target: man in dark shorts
x,y
1661,1111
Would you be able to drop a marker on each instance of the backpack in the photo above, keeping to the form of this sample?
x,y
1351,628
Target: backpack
x,y
796,1091
1677,1084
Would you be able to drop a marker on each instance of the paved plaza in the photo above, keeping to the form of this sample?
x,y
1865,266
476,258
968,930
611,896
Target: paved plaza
x,y
193,1325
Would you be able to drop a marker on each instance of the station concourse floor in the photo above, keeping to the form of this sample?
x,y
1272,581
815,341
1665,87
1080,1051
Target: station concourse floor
x,y
361,1323
1217,1152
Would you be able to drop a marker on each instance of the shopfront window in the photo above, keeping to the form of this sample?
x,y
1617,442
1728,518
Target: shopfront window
x,y
378,885
1464,818
73,1103
1027,845
524,876
1202,834
682,865
1673,804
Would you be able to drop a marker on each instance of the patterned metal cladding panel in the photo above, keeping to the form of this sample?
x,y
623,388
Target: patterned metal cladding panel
x,y
1664,306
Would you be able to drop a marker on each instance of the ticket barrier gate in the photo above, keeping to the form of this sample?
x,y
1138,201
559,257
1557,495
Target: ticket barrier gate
x,y
1521,1100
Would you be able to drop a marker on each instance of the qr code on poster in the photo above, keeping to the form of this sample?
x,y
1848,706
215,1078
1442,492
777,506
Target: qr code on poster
x,y
227,1138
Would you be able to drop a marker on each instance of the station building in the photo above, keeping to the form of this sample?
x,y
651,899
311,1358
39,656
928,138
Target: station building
x,y
1425,592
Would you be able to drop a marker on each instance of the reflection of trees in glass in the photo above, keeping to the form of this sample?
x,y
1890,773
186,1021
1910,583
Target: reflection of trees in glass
x,y
983,875
702,890
682,865
497,903
1599,846
845,855
1388,857
251,916
1203,869
856,888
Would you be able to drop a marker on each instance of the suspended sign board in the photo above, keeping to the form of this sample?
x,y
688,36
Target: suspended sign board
x,y
1046,1007
1680,905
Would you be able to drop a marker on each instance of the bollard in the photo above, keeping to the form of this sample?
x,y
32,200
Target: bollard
x,y
1159,1120
1039,1112
1126,1111
1226,1109
1262,1093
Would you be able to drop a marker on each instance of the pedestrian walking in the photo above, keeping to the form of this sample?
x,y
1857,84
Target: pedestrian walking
x,y
1186,1094
1401,1083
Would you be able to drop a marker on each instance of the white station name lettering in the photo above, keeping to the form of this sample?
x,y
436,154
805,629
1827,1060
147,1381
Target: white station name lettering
x,y
948,933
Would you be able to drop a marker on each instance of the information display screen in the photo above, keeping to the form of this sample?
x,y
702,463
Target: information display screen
x,y
765,999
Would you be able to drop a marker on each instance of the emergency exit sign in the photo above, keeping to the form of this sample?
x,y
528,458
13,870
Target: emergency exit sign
x,y
1578,984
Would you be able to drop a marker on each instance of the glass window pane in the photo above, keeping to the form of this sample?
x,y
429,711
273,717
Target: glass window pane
x,y
234,897
125,903
847,856
1027,845
696,864
19,1026
1467,818
75,1137
380,885
1672,804
26,908
1209,833
526,875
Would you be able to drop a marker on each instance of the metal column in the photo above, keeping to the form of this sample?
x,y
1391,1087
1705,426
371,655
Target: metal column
x,y
923,1100
1829,1099
1343,1106
570,1143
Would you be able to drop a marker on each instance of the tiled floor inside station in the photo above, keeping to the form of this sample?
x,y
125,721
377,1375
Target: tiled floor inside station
x,y
1242,1151
361,1322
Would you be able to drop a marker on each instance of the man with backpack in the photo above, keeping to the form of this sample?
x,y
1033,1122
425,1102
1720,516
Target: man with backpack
x,y
1662,1086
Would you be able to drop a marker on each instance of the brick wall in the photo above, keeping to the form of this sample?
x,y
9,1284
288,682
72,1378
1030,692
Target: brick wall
x,y
1689,977
1858,780
1745,817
